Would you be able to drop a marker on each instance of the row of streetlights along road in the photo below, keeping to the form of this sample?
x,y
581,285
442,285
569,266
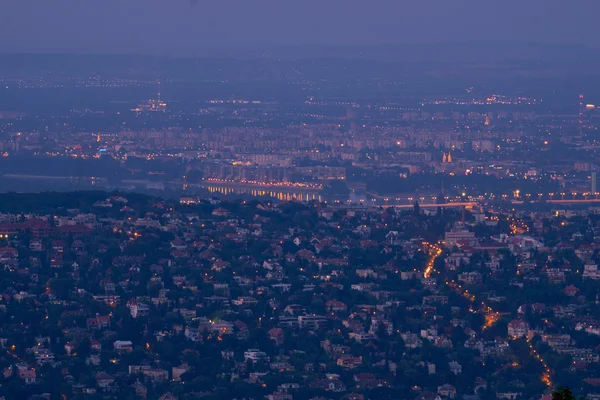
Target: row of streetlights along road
x,y
491,316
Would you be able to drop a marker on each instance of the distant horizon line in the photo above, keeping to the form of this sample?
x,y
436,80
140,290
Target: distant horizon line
x,y
229,50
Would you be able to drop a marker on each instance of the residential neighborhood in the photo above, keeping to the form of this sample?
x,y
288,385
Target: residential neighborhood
x,y
153,298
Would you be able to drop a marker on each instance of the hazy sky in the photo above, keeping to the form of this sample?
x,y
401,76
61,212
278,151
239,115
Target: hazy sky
x,y
191,26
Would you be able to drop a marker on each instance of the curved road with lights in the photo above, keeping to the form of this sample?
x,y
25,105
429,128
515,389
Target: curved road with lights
x,y
491,316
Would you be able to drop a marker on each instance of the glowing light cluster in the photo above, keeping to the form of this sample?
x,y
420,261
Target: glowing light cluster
x,y
434,252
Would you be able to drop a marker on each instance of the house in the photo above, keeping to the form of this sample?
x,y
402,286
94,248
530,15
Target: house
x,y
138,309
123,346
455,367
137,369
555,276
70,347
36,245
480,384
28,375
349,362
178,244
280,396
140,390
177,372
187,200
311,322
411,340
518,328
277,335
104,380
78,230
156,374
93,359
331,385
221,212
447,390
591,271
58,245
95,345
98,322
570,290
428,396
453,237
56,259
538,308
294,309
43,356
192,334
470,278
354,396
335,306
255,355
508,395
442,342
362,337
77,245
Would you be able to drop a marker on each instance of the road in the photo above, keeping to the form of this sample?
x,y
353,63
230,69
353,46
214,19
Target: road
x,y
480,306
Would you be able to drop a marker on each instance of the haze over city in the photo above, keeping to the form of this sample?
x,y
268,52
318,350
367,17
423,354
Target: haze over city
x,y
290,200
184,27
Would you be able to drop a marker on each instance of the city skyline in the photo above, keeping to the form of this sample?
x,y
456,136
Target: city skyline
x,y
317,200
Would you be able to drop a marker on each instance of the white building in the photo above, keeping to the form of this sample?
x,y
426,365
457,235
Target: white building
x,y
518,328
123,346
255,355
452,237
590,271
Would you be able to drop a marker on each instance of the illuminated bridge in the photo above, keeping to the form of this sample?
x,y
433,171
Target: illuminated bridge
x,y
458,204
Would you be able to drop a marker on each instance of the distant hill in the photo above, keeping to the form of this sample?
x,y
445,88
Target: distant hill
x,y
416,53
445,52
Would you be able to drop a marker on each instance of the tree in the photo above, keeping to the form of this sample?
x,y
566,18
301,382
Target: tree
x,y
194,176
61,287
563,394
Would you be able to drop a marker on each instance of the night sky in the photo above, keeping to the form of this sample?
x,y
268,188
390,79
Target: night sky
x,y
191,27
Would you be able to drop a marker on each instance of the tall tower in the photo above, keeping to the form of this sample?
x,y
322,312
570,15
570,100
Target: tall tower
x,y
594,182
158,94
159,105
581,110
